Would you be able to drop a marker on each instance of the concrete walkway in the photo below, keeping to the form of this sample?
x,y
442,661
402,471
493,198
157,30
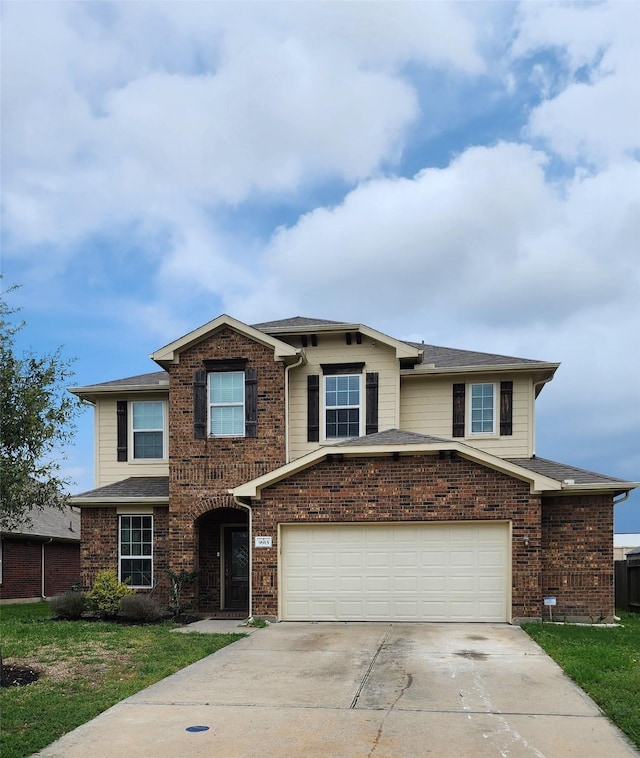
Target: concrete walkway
x,y
352,690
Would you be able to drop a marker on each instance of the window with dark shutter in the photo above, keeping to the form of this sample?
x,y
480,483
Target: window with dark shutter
x,y
200,405
313,408
121,427
506,408
458,410
372,403
251,402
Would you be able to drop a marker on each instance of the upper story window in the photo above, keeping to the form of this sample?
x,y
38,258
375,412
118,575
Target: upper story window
x,y
147,428
226,403
141,430
342,401
478,409
225,399
482,408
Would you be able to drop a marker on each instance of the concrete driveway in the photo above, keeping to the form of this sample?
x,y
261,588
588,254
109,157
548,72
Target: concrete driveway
x,y
343,690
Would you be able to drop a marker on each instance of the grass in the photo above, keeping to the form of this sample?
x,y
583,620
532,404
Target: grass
x,y
85,667
605,662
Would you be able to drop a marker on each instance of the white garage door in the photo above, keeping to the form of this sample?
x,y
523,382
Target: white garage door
x,y
397,572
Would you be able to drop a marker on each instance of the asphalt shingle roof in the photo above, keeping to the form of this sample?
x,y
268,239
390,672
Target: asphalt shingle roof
x,y
562,471
51,522
391,437
295,321
134,486
448,357
155,378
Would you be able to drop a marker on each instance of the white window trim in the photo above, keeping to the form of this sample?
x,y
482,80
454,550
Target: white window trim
x,y
324,408
134,557
211,405
165,432
496,403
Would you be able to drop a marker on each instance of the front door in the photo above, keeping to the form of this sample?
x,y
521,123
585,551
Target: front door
x,y
236,568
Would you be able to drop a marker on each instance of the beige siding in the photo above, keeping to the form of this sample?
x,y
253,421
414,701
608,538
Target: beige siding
x,y
426,408
332,349
108,470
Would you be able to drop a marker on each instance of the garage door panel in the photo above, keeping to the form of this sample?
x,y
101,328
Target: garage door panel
x,y
413,572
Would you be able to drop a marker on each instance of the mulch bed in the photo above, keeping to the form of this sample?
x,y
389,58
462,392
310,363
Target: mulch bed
x,y
18,676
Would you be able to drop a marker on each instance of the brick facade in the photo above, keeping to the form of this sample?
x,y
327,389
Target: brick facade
x,y
413,488
22,568
203,470
577,556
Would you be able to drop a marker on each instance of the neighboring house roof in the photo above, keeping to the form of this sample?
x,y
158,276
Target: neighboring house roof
x,y
50,523
135,488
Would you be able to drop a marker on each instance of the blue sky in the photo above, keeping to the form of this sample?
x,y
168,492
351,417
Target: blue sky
x,y
467,174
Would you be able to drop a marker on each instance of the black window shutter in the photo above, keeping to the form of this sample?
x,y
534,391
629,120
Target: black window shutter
x,y
313,408
458,410
121,425
251,402
200,405
506,408
372,403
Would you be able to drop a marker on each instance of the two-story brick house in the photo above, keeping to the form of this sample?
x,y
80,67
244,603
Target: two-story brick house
x,y
319,470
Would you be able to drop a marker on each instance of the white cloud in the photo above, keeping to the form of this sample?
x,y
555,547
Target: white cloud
x,y
594,117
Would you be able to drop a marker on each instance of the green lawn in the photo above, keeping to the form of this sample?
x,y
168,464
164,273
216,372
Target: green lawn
x,y
86,667
605,662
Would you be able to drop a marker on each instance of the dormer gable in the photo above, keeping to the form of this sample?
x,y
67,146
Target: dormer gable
x,y
170,354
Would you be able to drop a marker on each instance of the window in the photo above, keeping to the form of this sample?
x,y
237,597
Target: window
x,y
148,429
136,550
226,404
342,406
482,409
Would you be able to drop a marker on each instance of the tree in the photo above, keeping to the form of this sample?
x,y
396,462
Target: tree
x,y
37,423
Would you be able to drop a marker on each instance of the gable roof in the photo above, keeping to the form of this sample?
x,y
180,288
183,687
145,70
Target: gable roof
x,y
544,476
395,442
295,322
50,523
169,354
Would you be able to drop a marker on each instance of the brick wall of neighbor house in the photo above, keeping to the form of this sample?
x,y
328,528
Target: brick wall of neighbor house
x,y
203,470
21,569
99,543
62,567
577,556
414,488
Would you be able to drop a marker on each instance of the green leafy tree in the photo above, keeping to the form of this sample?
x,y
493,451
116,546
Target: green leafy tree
x,y
36,425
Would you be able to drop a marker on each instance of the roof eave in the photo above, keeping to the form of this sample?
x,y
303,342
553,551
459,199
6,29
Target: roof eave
x,y
429,369
86,393
598,488
97,502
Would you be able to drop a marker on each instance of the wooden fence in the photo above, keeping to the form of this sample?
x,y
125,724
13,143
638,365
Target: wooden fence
x,y
627,584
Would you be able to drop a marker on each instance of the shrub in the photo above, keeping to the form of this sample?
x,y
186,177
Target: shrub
x,y
180,582
107,592
140,607
69,605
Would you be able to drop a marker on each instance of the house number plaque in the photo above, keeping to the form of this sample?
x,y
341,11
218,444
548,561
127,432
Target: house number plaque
x,y
263,542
